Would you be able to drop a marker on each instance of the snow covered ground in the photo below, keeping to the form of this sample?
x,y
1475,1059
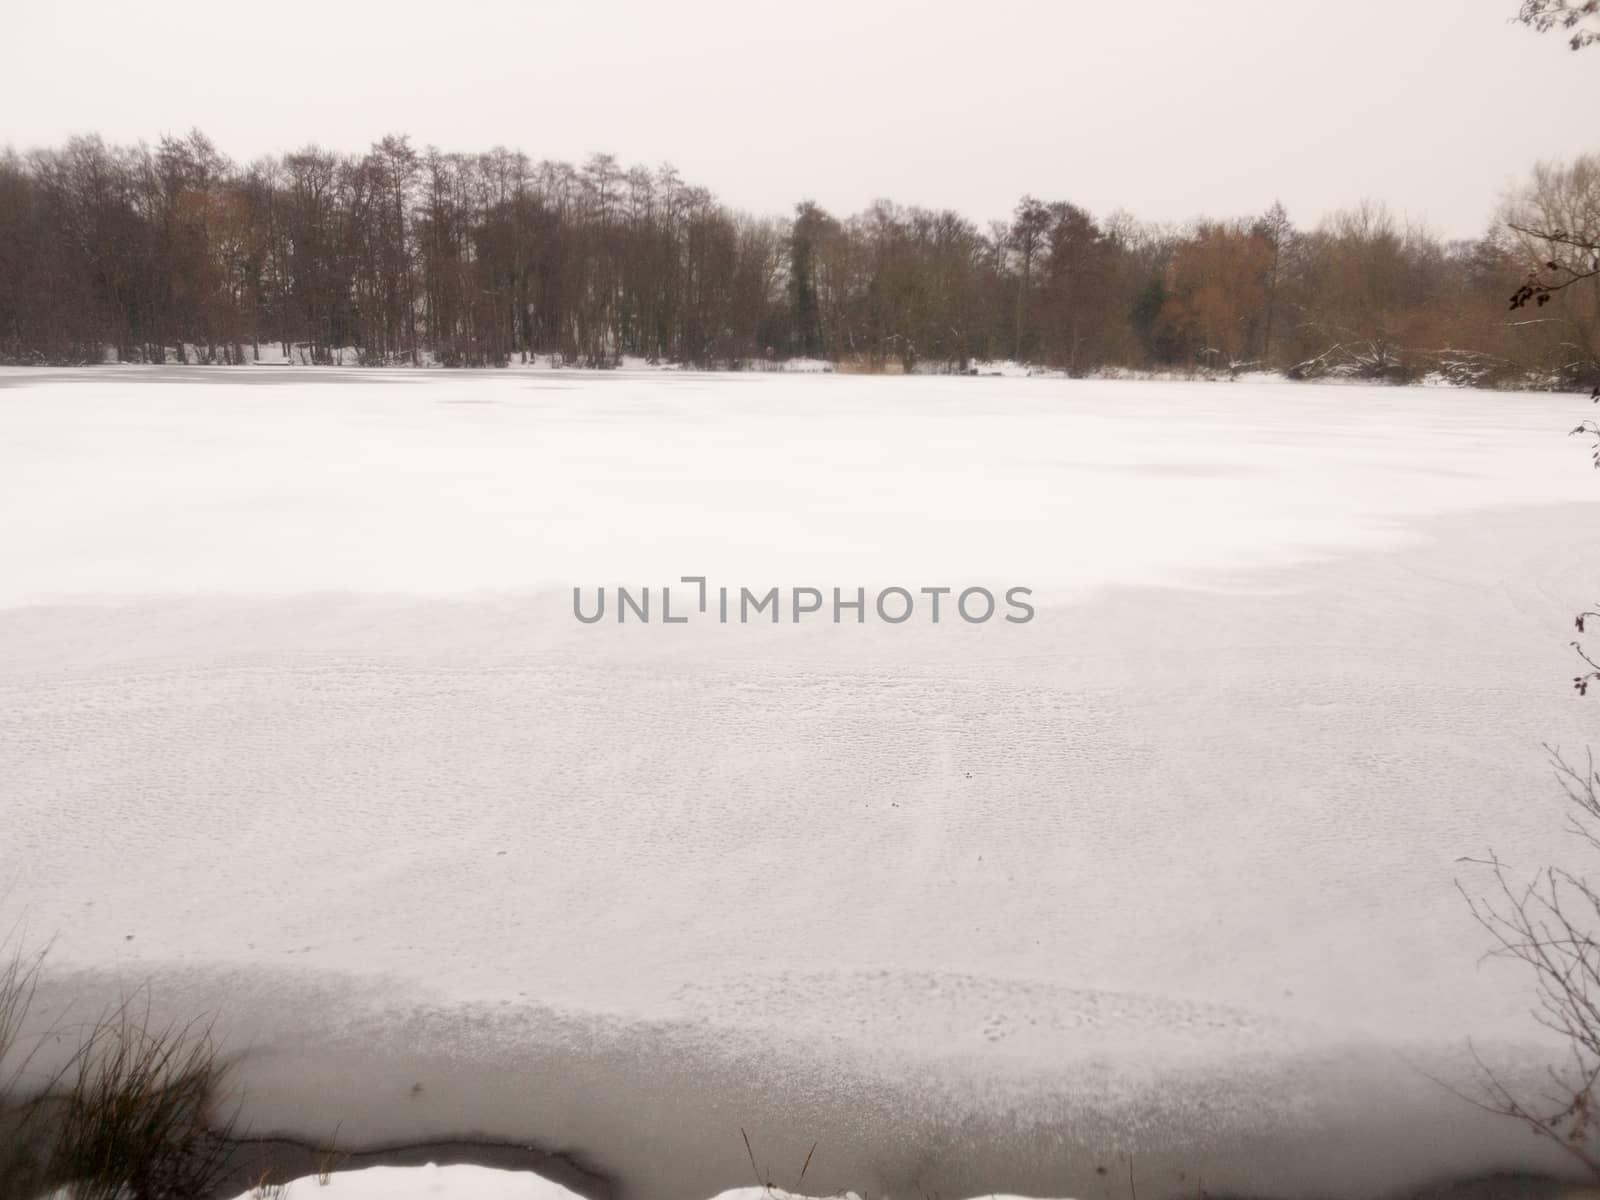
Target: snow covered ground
x,y
417,1183
296,724
434,1182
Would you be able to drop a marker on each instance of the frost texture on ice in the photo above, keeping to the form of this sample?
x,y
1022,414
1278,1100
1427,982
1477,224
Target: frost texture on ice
x,y
295,722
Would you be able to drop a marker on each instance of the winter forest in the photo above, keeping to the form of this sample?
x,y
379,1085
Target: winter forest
x,y
408,256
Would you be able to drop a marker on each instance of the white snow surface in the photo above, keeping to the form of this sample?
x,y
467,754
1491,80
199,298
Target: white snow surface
x,y
430,1182
296,726
434,1182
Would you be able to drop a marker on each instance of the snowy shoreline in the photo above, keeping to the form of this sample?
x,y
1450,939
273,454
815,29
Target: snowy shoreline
x,y
348,359
658,1109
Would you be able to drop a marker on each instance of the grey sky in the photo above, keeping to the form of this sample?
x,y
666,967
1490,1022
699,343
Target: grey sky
x,y
1168,108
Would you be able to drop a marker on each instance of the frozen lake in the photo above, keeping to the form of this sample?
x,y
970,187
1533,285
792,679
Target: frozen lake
x,y
296,722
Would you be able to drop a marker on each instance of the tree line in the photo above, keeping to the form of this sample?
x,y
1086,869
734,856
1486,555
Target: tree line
x,y
401,255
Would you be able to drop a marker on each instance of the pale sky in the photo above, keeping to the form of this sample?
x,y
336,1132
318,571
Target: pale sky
x,y
1167,108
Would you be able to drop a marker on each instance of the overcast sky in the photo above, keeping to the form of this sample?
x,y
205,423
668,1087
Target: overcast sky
x,y
1167,108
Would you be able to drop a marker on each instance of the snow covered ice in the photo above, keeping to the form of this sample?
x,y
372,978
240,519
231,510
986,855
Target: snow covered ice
x,y
296,724
423,1183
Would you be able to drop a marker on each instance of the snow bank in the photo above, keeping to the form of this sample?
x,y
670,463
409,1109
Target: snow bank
x,y
416,1183
1007,369
806,366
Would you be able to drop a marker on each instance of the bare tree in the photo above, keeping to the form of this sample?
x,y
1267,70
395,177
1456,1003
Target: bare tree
x,y
1029,225
1547,922
1556,219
